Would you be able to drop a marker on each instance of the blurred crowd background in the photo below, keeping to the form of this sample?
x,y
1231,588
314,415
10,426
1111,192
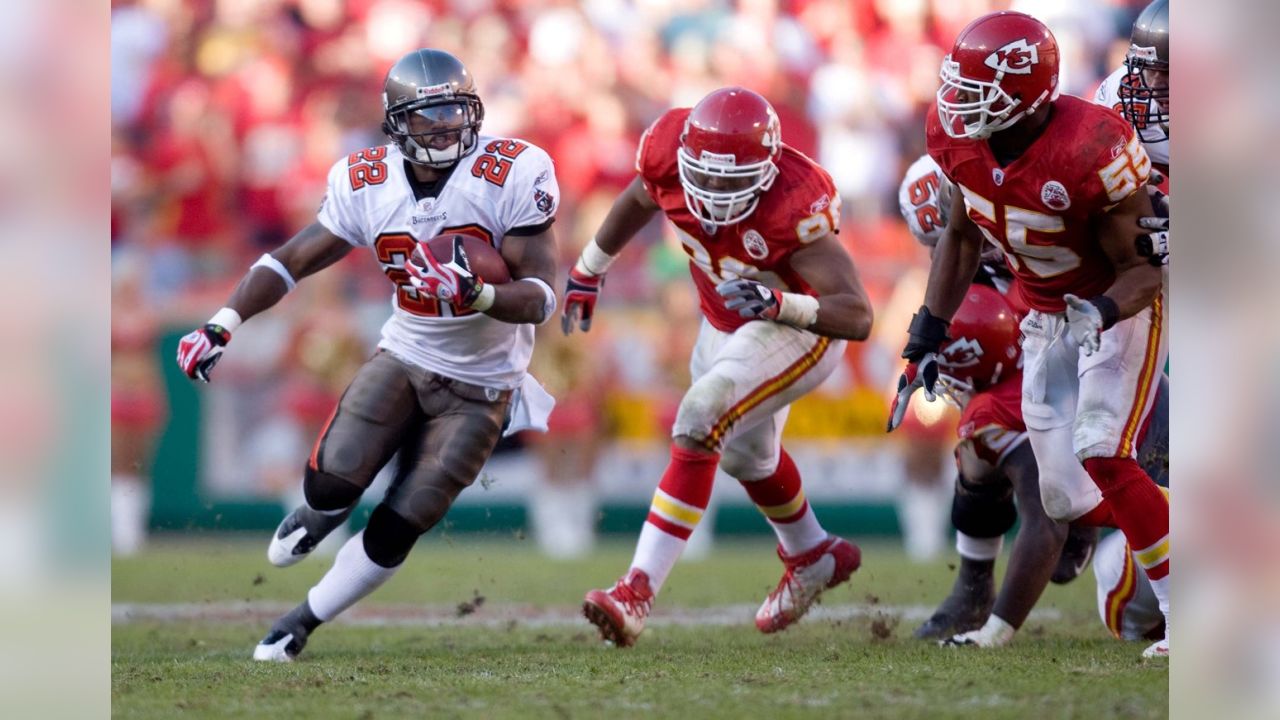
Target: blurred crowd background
x,y
226,115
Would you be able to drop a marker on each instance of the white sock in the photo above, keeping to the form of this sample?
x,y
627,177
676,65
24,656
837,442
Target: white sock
x,y
800,535
130,507
656,553
973,548
352,577
1161,589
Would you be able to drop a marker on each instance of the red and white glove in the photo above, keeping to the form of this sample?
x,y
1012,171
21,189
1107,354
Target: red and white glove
x,y
452,282
199,350
926,334
580,295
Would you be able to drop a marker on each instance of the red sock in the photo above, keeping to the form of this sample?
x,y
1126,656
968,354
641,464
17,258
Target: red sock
x,y
1140,509
684,492
1100,516
779,496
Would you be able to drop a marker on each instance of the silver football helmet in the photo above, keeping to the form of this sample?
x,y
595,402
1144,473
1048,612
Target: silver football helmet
x,y
1144,91
432,111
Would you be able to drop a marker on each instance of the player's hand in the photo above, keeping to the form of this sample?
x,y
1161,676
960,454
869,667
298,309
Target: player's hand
x,y
750,299
199,350
1084,321
1154,244
452,282
926,334
580,295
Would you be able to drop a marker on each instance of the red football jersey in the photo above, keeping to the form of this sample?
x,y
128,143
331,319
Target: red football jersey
x,y
800,207
992,419
1040,208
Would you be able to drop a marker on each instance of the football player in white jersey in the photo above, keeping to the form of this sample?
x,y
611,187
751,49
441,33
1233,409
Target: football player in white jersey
x,y
1139,90
450,368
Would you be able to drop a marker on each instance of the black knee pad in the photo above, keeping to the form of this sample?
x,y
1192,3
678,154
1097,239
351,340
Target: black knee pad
x,y
983,510
388,538
329,492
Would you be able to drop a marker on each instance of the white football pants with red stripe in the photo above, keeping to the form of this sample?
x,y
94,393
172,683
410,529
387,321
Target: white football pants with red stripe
x,y
743,385
1078,407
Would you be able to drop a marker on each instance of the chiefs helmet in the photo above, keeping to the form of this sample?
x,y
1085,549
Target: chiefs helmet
x,y
726,155
983,348
1144,92
1002,68
432,111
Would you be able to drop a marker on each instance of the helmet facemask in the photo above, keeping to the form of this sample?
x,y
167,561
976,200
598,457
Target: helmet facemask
x,y
435,132
720,192
980,107
1144,103
955,391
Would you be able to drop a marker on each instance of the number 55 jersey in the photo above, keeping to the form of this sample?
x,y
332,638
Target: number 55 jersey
x,y
505,188
1040,208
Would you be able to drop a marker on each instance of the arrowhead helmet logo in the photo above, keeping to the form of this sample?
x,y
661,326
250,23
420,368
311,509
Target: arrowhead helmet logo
x,y
1015,58
963,352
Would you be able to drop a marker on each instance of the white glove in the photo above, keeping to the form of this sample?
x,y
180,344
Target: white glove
x,y
995,633
1084,320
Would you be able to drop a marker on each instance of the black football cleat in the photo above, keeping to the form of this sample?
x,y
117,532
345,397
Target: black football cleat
x,y
968,605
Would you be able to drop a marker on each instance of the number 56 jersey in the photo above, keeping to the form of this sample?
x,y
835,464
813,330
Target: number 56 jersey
x,y
801,206
504,188
1041,208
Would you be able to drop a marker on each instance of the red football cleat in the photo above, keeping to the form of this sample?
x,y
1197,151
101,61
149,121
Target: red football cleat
x,y
620,613
806,576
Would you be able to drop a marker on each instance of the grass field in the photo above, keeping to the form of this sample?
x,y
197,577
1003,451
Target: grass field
x,y
488,629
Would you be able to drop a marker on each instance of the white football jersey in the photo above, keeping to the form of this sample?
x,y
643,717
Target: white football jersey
x,y
1126,602
505,187
1153,138
924,198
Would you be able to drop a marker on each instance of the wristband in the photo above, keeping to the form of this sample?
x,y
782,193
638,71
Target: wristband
x,y
549,306
228,318
277,267
798,310
593,260
1108,309
484,300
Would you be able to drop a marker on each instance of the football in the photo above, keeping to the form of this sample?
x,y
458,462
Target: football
x,y
485,260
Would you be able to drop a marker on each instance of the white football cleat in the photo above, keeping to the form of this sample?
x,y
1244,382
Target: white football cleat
x,y
278,647
300,532
805,577
619,613
1159,649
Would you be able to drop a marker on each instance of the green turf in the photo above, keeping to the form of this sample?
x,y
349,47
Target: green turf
x,y
867,667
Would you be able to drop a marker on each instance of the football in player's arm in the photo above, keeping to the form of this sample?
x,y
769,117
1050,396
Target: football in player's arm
x,y
451,367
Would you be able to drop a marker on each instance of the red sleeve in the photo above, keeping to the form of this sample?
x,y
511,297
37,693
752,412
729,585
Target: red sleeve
x,y
812,204
656,152
1120,166
935,141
